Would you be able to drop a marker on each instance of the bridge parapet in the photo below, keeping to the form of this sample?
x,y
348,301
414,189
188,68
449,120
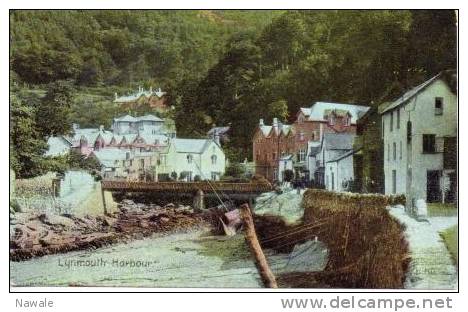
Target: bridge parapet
x,y
186,187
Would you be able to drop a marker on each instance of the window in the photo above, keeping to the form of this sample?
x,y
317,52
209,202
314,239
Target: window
x,y
301,136
391,121
393,181
213,159
429,143
401,150
398,118
394,151
189,159
302,154
214,176
409,131
348,120
388,152
439,106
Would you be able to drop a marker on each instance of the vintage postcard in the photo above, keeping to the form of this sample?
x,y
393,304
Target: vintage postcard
x,y
233,149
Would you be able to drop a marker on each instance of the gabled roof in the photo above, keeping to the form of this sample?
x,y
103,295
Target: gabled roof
x,y
338,141
281,129
56,145
126,118
218,131
319,109
149,117
343,156
129,138
195,146
156,139
408,95
108,156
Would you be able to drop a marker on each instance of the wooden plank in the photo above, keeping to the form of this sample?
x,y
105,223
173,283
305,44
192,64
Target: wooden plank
x,y
264,270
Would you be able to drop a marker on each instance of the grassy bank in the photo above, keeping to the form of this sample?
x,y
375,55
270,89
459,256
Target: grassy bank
x,y
450,237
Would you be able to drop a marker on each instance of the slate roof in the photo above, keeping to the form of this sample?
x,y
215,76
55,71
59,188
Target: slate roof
x,y
195,146
57,145
218,130
413,92
158,139
126,118
318,110
90,134
108,156
338,141
149,117
343,155
141,92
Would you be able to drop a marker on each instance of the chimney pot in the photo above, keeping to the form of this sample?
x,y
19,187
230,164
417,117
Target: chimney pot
x,y
261,122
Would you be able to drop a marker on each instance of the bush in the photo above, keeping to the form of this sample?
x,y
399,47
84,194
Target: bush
x,y
235,170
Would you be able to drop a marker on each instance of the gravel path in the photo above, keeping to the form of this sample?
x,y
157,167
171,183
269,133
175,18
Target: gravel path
x,y
431,265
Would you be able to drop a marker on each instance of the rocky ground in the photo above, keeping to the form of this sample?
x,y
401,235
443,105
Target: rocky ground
x,y
38,234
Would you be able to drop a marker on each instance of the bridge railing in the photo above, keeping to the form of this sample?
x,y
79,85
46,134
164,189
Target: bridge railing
x,y
207,187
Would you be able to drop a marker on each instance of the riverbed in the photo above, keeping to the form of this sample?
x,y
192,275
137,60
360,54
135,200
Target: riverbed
x,y
193,259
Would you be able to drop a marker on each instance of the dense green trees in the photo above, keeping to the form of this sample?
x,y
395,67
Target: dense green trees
x,y
222,67
362,57
122,47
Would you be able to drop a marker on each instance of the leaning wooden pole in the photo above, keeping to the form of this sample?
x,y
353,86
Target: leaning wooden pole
x,y
266,275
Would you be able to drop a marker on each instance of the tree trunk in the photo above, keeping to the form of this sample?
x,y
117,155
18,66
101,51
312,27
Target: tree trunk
x,y
264,270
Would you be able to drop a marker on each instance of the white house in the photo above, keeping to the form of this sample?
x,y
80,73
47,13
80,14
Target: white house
x,y
285,163
190,158
333,146
339,172
419,131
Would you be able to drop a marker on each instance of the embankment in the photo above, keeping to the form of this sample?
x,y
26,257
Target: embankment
x,y
367,248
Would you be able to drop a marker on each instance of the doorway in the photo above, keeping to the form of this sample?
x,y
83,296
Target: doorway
x,y
433,186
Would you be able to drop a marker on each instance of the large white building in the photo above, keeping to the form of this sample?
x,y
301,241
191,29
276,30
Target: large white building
x,y
189,158
419,131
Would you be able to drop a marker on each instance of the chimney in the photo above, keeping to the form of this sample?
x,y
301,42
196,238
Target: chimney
x,y
260,123
151,89
216,138
115,95
75,127
275,122
101,128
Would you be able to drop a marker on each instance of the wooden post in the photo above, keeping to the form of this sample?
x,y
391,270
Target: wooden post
x,y
264,270
103,200
199,201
